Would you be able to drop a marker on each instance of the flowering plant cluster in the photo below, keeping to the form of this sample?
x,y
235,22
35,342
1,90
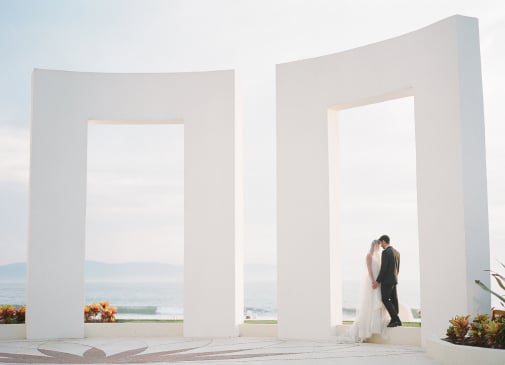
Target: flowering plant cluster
x,y
482,331
99,312
12,314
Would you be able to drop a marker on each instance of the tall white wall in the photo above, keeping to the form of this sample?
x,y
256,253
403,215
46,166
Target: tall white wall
x,y
63,103
440,66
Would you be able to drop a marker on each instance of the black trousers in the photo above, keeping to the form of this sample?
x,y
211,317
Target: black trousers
x,y
390,300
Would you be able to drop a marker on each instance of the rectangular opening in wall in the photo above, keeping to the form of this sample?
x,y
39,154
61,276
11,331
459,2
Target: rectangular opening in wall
x,y
15,152
256,110
135,219
378,195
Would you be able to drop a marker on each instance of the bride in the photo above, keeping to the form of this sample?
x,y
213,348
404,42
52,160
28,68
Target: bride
x,y
371,315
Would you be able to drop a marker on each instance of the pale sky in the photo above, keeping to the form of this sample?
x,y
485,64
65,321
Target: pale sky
x,y
135,202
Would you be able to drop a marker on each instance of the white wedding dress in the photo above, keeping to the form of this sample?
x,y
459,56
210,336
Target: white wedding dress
x,y
371,316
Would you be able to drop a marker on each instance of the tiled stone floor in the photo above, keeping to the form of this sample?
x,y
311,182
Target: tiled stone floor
x,y
206,351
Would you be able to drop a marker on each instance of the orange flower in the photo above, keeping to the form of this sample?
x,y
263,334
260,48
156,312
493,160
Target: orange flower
x,y
99,312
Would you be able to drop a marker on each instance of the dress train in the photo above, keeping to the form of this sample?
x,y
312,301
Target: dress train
x,y
371,316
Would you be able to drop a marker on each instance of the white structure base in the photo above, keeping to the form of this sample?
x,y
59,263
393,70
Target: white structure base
x,y
394,336
133,329
446,353
258,330
12,331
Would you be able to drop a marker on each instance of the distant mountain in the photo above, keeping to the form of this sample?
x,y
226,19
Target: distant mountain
x,y
133,272
13,272
136,272
99,271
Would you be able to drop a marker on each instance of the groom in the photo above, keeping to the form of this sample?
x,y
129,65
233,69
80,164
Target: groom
x,y
388,278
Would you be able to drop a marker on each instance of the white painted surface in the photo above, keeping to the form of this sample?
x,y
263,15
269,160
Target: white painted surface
x,y
258,330
391,336
63,104
133,330
13,331
440,66
446,353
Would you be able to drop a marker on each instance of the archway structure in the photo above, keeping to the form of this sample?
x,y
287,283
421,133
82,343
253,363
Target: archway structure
x,y
440,66
62,106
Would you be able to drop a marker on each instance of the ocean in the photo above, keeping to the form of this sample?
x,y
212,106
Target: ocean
x,y
165,300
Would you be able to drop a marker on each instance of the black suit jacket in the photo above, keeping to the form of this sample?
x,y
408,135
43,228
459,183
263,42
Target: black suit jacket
x,y
390,266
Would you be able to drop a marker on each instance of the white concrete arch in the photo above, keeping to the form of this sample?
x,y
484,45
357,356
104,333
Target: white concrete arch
x,y
63,104
440,66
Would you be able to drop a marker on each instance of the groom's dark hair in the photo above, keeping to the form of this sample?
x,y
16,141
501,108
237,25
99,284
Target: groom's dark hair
x,y
384,238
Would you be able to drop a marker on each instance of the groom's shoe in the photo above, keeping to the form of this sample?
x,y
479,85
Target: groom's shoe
x,y
394,324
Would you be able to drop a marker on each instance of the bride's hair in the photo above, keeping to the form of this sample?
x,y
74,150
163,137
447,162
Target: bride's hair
x,y
374,246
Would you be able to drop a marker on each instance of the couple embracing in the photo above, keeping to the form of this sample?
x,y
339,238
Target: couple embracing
x,y
378,295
